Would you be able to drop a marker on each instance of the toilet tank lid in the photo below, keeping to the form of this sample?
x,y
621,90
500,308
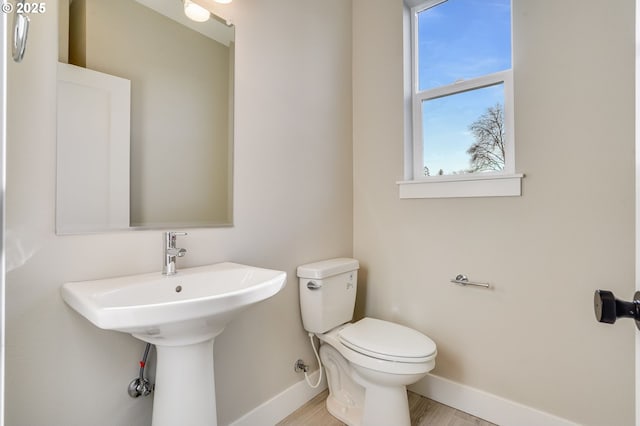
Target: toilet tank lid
x,y
328,268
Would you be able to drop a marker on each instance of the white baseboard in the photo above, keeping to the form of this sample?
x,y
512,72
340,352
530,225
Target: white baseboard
x,y
484,405
283,404
478,403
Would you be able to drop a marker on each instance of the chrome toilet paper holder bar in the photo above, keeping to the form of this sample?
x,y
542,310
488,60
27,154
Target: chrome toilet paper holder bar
x,y
463,280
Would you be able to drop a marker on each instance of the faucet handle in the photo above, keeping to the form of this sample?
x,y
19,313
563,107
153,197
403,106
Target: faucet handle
x,y
176,234
169,238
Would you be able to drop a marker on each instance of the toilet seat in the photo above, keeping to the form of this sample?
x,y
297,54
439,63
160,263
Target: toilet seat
x,y
387,341
377,364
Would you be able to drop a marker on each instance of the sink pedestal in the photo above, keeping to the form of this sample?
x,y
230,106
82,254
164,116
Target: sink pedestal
x,y
181,314
185,392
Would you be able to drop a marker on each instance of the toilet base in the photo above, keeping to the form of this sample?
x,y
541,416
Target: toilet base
x,y
394,411
356,397
385,405
346,398
350,415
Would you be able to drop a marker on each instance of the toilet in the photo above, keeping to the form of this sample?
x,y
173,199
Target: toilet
x,y
368,363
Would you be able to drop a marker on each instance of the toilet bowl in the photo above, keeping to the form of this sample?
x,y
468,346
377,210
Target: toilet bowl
x,y
368,363
367,383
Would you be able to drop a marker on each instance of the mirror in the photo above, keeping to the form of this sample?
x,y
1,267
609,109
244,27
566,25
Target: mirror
x,y
145,117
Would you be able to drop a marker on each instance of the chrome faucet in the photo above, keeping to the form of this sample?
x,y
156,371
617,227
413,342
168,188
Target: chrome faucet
x,y
171,252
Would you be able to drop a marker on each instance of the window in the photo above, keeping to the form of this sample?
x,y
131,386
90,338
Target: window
x,y
461,104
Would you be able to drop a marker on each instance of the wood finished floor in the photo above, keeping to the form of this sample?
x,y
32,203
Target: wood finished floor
x,y
423,412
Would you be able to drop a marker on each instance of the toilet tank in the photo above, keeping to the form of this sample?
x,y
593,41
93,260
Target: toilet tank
x,y
327,293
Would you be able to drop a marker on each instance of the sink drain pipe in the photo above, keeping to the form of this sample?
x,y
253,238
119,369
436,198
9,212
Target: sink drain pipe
x,y
141,386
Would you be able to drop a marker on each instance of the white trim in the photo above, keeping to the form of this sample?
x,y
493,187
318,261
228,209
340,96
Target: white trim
x,y
417,144
422,5
462,86
3,187
283,404
637,206
408,94
502,77
484,405
460,186
470,400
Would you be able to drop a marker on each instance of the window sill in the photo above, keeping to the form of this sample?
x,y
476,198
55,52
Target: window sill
x,y
462,186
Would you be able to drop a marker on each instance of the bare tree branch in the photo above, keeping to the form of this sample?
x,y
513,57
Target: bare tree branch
x,y
487,152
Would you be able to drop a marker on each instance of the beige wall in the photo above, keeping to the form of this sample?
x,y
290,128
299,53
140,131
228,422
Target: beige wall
x,y
293,204
533,339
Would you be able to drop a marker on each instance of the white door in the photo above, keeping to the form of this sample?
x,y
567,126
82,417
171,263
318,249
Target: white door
x,y
3,117
606,306
637,115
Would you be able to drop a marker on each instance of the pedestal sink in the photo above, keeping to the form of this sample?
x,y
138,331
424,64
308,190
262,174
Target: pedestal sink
x,y
181,314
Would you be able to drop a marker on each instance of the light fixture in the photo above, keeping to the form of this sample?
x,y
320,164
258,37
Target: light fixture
x,y
195,12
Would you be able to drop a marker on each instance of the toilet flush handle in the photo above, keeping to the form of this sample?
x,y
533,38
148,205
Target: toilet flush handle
x,y
312,285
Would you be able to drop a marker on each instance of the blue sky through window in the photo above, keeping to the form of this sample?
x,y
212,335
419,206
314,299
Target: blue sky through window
x,y
446,123
459,40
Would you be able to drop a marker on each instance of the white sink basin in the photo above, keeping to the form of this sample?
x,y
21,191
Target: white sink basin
x,y
181,314
194,304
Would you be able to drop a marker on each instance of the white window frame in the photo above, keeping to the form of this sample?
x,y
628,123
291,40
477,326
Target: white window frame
x,y
485,184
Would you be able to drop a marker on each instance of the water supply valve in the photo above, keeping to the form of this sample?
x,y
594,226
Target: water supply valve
x,y
139,387
300,367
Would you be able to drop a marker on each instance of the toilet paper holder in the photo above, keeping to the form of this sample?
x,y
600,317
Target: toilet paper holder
x,y
463,280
